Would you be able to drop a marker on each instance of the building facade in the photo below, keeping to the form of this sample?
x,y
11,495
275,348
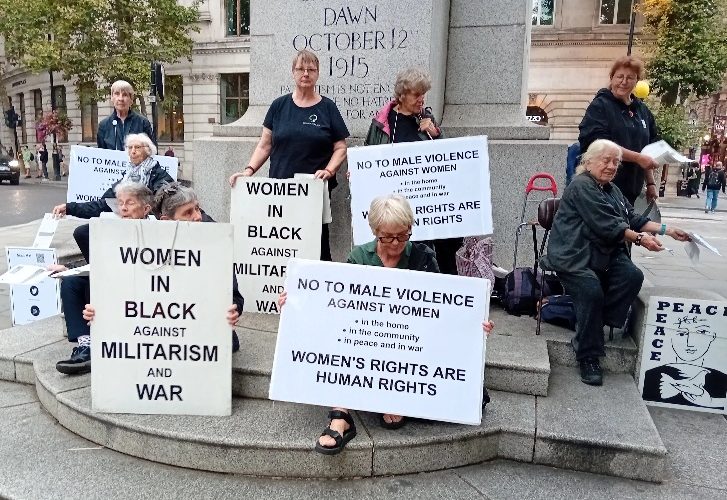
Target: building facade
x,y
573,44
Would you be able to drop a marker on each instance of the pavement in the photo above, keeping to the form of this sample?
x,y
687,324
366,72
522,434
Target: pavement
x,y
44,460
30,199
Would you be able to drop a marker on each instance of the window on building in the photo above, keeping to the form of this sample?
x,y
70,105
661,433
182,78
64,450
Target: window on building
x,y
615,11
23,119
59,94
234,96
38,104
238,17
170,120
89,112
543,12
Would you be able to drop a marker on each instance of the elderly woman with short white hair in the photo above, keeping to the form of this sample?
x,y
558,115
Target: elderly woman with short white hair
x,y
142,168
391,220
588,248
113,130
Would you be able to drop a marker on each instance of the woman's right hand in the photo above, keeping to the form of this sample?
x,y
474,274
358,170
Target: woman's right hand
x,y
89,312
56,268
59,211
647,162
245,173
651,242
282,298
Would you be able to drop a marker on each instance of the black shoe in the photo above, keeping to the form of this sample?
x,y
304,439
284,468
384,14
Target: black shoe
x,y
80,362
591,371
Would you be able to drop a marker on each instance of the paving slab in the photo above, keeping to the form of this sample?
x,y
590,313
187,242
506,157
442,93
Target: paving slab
x,y
605,430
697,444
517,364
13,394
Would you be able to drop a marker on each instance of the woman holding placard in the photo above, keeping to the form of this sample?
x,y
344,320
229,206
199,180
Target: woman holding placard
x,y
391,219
303,132
405,119
175,202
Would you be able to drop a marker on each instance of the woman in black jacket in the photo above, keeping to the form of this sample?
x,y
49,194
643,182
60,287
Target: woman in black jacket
x,y
617,115
588,249
142,168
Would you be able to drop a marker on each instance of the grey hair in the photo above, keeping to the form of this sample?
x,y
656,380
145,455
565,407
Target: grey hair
x,y
596,149
122,86
144,139
170,197
390,209
412,79
135,189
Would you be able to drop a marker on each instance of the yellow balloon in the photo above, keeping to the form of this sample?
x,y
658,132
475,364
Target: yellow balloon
x,y
641,90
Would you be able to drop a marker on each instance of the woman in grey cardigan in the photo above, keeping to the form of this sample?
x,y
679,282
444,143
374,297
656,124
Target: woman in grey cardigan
x,y
589,249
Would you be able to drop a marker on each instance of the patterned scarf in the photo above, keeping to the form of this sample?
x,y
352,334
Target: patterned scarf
x,y
140,173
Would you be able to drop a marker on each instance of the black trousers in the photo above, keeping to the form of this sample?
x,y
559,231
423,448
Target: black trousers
x,y
325,244
601,299
80,234
75,294
445,250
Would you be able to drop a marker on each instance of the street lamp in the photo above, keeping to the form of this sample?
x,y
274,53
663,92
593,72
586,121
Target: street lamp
x,y
631,27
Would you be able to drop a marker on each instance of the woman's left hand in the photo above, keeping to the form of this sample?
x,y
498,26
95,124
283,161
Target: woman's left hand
x,y
427,125
651,193
324,174
232,315
487,327
678,234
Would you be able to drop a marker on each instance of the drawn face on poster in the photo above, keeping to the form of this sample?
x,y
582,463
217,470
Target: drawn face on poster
x,y
685,355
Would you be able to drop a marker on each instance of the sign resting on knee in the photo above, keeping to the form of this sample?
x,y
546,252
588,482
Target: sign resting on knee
x,y
447,183
92,171
383,340
29,303
160,343
684,354
274,219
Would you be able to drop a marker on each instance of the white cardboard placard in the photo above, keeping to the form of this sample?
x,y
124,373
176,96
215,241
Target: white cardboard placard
x,y
40,300
274,219
684,354
92,171
446,181
383,340
160,343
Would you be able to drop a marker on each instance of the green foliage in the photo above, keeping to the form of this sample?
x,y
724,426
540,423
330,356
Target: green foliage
x,y
97,40
674,127
689,55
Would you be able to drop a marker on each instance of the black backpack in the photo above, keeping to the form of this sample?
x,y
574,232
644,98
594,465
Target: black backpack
x,y
713,179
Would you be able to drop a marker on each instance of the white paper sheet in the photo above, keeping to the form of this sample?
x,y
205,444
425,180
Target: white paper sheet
x,y
46,231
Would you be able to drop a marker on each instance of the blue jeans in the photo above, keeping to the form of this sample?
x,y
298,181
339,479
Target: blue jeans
x,y
711,203
75,294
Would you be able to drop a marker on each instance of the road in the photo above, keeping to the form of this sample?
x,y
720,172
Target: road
x,y
30,200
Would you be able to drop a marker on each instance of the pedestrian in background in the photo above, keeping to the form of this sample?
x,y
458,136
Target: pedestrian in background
x,y
169,152
43,159
714,181
27,157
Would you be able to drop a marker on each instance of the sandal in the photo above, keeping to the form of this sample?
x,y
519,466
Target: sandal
x,y
341,441
392,425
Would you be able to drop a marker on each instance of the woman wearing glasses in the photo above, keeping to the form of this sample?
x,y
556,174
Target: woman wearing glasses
x,y
617,115
391,220
303,132
142,168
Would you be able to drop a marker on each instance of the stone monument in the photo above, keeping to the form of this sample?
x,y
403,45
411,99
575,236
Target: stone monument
x,y
477,54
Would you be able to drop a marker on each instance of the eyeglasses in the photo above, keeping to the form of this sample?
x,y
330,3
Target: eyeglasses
x,y
127,204
136,146
306,70
401,238
610,161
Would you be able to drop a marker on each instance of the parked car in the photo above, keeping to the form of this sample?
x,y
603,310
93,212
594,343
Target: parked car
x,y
9,170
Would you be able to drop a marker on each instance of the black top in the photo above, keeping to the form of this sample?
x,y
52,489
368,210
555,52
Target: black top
x,y
630,126
110,136
303,138
404,128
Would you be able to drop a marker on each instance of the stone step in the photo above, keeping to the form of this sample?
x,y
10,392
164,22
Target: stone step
x,y
607,428
513,364
621,353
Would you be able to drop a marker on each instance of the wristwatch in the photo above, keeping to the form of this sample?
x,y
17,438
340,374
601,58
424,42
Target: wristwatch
x,y
637,242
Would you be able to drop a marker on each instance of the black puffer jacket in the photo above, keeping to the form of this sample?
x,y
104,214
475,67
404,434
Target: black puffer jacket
x,y
630,126
110,136
157,178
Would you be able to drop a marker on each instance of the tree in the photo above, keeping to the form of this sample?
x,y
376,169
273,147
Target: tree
x,y
92,41
689,52
674,125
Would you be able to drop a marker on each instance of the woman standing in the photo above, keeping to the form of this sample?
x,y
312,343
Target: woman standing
x,y
303,132
615,114
405,119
